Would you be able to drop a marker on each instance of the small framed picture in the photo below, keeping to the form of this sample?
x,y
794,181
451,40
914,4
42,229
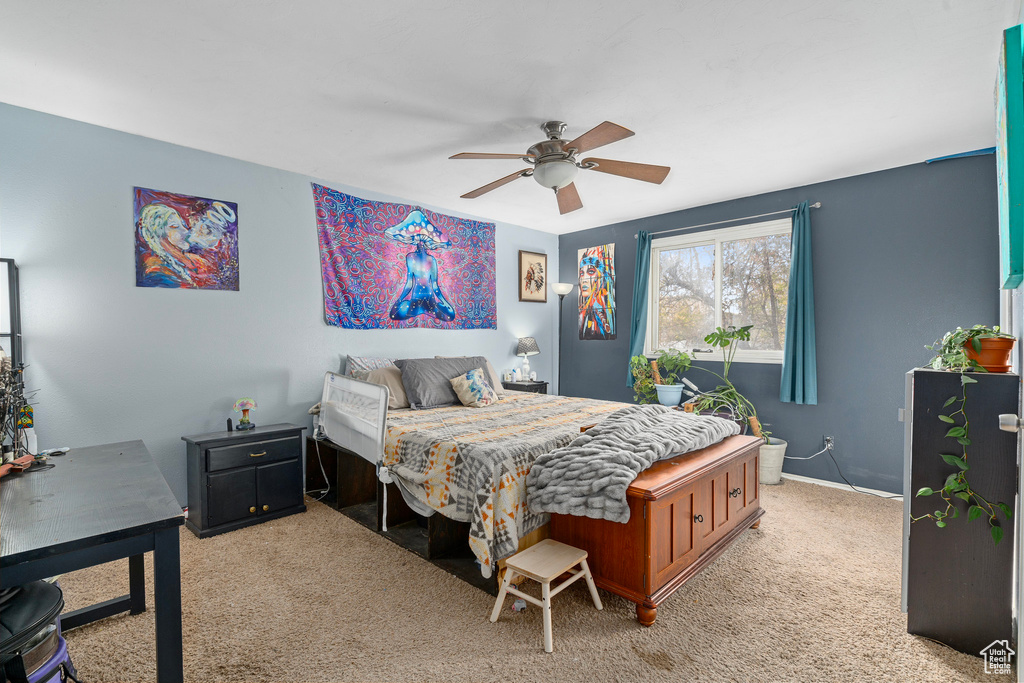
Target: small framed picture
x,y
533,276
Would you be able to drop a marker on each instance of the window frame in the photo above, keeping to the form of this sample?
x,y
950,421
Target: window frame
x,y
715,237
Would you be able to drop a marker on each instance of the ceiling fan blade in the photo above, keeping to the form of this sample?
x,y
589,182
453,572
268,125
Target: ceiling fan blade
x,y
497,183
485,155
603,134
568,199
627,169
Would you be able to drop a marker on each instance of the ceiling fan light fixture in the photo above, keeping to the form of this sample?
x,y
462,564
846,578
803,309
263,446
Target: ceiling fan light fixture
x,y
555,165
555,174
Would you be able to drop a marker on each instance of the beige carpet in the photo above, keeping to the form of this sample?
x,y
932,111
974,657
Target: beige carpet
x,y
813,595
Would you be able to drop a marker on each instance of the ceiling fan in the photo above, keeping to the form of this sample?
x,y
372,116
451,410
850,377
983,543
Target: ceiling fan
x,y
555,165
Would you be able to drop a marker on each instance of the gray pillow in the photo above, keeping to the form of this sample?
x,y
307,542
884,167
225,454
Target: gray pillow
x,y
427,381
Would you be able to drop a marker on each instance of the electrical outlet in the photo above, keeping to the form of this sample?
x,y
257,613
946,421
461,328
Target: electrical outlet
x,y
830,442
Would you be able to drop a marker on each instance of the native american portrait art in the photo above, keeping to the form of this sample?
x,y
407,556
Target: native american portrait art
x,y
533,276
597,292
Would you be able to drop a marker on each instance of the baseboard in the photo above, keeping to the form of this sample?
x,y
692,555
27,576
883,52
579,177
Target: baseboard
x,y
837,485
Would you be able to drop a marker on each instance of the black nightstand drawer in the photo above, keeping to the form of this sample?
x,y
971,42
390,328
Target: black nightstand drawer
x,y
253,453
534,387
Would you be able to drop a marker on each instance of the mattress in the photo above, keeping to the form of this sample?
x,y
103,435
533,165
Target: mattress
x,y
470,464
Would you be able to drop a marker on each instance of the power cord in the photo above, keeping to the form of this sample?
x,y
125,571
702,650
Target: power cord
x,y
828,449
317,438
809,457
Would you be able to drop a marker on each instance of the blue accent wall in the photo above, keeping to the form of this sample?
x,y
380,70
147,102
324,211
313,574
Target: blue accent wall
x,y
900,256
113,362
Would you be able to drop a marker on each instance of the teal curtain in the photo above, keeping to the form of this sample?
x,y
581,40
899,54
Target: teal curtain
x,y
638,321
799,360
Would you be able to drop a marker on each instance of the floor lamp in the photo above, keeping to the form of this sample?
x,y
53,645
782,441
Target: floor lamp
x,y
561,289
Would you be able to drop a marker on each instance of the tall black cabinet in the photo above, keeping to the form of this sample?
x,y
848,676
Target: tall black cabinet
x,y
958,584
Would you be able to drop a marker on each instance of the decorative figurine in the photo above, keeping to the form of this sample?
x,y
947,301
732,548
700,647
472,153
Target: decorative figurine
x,y
244,405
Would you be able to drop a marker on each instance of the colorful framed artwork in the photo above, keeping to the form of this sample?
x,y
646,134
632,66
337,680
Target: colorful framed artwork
x,y
393,266
1010,157
597,292
185,242
533,276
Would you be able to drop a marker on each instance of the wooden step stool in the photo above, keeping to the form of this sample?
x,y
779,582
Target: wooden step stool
x,y
543,562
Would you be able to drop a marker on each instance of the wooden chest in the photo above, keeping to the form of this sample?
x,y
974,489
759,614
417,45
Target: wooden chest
x,y
683,512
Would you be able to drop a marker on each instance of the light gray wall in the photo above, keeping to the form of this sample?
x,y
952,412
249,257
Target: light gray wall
x,y
115,362
900,256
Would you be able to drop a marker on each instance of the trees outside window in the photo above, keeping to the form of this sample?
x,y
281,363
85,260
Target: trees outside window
x,y
732,276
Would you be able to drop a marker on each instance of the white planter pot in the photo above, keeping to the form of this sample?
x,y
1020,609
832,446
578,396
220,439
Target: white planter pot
x,y
772,456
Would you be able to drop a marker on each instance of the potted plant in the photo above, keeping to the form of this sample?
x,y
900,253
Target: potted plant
x,y
649,385
726,401
979,348
964,351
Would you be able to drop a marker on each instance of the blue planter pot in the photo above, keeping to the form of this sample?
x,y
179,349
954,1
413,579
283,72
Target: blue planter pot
x,y
669,394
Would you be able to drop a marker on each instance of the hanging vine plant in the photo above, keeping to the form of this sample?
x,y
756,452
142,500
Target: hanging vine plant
x,y
951,356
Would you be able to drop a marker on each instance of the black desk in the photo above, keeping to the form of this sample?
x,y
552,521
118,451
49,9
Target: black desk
x,y
96,505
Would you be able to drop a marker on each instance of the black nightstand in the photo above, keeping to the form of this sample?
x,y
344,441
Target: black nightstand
x,y
236,479
534,387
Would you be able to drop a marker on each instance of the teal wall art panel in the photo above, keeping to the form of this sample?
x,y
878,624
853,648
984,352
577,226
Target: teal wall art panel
x,y
1010,157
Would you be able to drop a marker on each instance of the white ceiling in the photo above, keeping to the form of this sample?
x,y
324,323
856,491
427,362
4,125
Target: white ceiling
x,y
737,97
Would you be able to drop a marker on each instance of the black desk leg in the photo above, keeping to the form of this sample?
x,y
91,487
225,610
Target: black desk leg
x,y
137,583
167,586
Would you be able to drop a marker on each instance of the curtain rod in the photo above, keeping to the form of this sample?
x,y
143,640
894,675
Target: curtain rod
x,y
815,205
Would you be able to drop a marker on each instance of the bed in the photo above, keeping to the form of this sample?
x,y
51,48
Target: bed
x,y
468,464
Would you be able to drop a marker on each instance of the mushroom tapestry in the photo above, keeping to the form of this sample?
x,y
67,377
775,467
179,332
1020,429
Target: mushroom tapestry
x,y
388,266
185,242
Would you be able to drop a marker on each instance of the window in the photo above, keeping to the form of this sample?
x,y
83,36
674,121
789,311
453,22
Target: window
x,y
731,276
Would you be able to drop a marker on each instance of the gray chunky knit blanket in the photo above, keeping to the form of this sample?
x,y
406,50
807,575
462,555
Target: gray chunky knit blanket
x,y
589,477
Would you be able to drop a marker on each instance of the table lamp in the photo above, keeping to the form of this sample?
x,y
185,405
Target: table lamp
x,y
527,347
561,289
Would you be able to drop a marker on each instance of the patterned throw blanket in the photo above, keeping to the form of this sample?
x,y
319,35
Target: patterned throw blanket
x,y
470,464
589,477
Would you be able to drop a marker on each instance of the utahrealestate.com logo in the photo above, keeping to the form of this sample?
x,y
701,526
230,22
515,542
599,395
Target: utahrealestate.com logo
x,y
998,657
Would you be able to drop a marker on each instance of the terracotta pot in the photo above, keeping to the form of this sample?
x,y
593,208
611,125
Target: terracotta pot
x,y
995,353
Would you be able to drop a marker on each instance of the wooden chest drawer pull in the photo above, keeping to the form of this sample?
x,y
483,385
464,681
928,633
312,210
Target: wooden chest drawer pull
x,y
252,509
735,492
257,455
266,507
698,518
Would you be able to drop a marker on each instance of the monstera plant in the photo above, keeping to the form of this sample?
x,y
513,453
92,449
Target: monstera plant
x,y
725,398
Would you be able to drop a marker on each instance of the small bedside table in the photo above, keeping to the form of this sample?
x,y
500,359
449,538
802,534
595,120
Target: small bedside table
x,y
236,479
534,387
